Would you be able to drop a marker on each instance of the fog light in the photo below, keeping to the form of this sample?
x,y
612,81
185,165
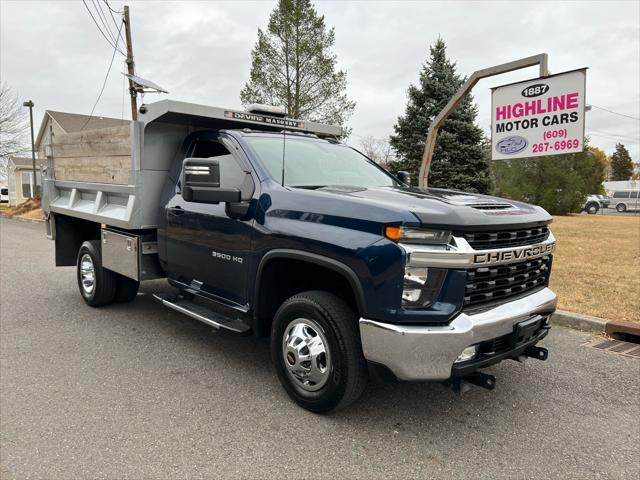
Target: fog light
x,y
421,286
467,354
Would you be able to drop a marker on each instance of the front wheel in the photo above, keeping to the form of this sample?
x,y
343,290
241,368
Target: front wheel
x,y
316,349
592,208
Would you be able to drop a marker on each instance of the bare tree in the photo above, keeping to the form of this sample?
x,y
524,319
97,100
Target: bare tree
x,y
378,150
14,129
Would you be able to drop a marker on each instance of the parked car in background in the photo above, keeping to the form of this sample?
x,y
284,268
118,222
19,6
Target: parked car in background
x,y
605,201
591,204
4,195
624,200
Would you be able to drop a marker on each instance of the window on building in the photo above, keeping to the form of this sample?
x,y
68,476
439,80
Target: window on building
x,y
25,180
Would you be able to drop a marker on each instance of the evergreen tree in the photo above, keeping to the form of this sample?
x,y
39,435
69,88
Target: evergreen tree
x,y
458,160
557,183
293,65
621,163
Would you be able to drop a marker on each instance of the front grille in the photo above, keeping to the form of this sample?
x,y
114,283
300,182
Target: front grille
x,y
492,284
506,238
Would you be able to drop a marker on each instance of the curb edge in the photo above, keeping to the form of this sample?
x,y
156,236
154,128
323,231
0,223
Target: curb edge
x,y
578,321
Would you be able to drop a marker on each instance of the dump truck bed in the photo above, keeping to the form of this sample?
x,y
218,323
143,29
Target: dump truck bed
x,y
115,175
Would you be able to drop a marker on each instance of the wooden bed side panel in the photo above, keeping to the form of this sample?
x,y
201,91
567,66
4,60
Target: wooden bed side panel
x,y
97,156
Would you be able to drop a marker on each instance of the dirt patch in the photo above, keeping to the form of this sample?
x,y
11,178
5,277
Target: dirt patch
x,y
28,209
37,214
596,267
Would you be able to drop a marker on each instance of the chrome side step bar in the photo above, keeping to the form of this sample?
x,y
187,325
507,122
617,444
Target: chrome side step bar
x,y
202,314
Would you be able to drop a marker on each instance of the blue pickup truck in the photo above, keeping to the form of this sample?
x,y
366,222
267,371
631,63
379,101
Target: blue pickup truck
x,y
272,227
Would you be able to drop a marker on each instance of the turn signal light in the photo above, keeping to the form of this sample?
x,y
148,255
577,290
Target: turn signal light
x,y
393,233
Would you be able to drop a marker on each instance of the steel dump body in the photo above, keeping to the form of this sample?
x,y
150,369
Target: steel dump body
x,y
114,176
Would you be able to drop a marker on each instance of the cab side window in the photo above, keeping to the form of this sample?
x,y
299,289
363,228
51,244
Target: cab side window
x,y
231,174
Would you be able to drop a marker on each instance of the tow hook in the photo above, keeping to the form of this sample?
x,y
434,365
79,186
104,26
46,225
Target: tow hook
x,y
538,353
479,379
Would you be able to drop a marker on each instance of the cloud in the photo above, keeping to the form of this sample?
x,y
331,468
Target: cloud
x,y
201,52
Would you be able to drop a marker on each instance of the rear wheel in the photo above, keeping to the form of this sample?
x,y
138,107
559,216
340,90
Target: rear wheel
x,y
97,285
621,207
126,289
316,349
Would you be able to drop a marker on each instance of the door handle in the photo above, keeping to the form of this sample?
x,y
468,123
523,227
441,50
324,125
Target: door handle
x,y
177,210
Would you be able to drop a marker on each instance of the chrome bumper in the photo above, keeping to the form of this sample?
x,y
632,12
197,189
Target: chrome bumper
x,y
428,353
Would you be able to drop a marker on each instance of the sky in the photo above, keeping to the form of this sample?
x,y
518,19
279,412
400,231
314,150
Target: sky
x,y
52,53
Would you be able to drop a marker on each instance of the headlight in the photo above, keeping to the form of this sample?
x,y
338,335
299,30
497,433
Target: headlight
x,y
418,236
421,286
429,237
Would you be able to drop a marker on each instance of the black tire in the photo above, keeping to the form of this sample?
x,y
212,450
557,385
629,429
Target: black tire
x,y
347,371
592,208
621,207
104,281
126,289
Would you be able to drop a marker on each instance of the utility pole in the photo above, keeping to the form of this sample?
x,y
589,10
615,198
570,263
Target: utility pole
x,y
130,69
29,104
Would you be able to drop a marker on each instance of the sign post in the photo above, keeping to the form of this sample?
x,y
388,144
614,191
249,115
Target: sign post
x,y
432,134
539,117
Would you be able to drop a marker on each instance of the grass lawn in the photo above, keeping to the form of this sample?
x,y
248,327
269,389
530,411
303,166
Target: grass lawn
x,y
596,267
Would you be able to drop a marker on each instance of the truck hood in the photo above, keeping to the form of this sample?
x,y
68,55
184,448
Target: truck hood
x,y
448,208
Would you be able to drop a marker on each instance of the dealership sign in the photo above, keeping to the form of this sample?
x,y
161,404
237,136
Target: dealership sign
x,y
539,117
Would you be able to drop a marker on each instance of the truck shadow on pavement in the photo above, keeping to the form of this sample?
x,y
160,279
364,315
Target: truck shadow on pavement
x,y
382,405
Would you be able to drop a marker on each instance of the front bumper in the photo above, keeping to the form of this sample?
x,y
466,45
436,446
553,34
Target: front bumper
x,y
429,353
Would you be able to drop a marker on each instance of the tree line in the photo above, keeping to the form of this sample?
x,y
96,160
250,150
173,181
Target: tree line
x,y
293,64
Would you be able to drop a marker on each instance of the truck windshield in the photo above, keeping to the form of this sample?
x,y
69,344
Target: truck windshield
x,y
310,163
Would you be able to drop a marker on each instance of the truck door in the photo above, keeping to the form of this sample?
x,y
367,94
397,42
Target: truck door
x,y
206,249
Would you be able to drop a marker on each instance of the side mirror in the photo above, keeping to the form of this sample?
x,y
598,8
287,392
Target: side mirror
x,y
201,182
404,177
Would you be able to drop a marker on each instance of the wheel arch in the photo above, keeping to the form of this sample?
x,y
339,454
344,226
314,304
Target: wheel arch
x,y
265,308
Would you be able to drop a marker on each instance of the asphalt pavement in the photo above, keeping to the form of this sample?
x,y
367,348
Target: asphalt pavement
x,y
138,391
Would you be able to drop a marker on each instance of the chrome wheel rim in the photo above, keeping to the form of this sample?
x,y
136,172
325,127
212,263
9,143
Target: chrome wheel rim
x,y
305,353
87,274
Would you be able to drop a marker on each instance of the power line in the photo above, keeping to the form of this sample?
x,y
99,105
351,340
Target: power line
x,y
114,11
616,134
111,12
106,24
98,26
103,18
106,77
613,138
615,113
